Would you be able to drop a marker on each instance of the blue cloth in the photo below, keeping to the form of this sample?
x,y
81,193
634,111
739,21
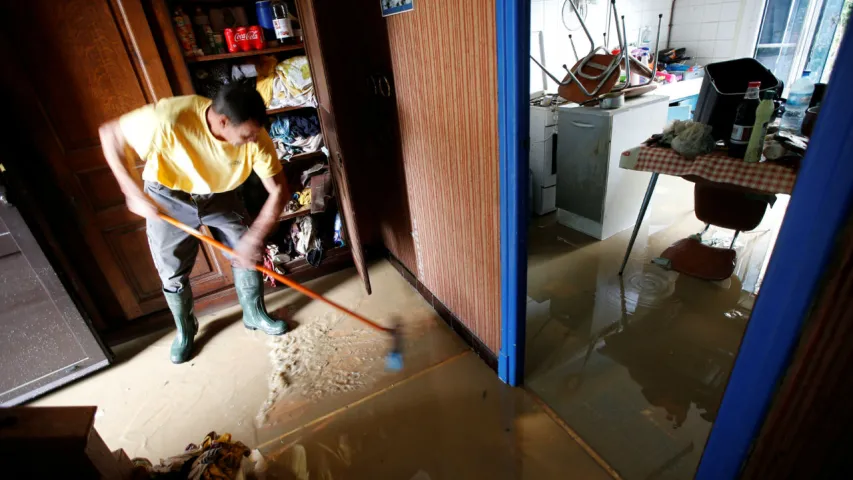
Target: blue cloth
x,y
289,128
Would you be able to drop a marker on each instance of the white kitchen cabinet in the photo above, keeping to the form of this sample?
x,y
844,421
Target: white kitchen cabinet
x,y
594,195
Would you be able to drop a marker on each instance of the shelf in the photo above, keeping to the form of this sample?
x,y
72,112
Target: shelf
x,y
305,210
250,53
300,270
330,256
273,111
303,156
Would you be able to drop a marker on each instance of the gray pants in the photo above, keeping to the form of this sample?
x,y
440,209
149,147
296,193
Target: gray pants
x,y
173,250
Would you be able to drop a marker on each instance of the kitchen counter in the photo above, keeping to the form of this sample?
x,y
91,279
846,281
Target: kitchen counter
x,y
680,90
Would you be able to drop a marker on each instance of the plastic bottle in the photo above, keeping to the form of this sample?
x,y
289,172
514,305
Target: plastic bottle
x,y
744,120
185,33
204,34
798,101
644,39
281,23
763,114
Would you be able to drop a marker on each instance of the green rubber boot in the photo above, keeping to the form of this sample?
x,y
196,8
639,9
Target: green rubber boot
x,y
181,305
249,286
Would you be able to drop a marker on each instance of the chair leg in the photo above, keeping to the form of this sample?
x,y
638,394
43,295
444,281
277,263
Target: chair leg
x,y
704,231
737,232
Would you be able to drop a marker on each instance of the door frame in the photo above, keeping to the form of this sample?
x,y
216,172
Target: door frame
x,y
513,43
815,216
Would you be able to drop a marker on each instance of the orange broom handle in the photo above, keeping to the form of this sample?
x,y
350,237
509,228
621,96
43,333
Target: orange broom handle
x,y
290,283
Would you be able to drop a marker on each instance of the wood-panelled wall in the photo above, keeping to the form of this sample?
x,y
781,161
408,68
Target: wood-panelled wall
x,y
444,56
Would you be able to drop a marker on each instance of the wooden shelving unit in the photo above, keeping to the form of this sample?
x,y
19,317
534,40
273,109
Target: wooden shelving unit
x,y
273,111
299,213
331,258
304,157
250,53
299,269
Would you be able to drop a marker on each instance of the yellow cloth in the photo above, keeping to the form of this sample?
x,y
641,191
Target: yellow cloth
x,y
217,458
265,66
304,197
174,140
293,84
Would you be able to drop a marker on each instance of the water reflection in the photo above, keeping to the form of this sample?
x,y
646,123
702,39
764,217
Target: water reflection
x,y
636,365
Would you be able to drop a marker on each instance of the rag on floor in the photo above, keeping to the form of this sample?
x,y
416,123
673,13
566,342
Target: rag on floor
x,y
296,133
217,458
293,85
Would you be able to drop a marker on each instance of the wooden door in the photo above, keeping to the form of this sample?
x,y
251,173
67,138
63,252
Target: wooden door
x,y
345,42
45,342
71,66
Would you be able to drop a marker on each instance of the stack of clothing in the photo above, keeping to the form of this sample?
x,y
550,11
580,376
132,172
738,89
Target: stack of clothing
x,y
296,133
292,85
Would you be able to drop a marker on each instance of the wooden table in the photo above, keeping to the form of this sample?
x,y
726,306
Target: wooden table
x,y
716,167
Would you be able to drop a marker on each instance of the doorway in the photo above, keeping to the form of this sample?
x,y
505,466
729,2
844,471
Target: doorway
x,y
644,359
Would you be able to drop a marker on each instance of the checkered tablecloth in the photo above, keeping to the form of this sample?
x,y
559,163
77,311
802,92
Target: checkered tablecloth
x,y
716,167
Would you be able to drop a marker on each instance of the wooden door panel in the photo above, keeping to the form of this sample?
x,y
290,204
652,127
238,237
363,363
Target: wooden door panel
x,y
340,174
84,71
347,43
85,76
129,246
101,187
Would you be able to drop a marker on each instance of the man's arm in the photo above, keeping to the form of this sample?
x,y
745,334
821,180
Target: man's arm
x,y
113,144
249,249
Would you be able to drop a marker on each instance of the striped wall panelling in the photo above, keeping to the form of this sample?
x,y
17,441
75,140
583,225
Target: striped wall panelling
x,y
444,59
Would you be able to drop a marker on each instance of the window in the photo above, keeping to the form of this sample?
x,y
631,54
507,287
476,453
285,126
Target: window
x,y
797,35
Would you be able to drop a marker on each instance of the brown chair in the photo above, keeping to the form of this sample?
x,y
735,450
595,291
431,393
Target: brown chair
x,y
724,206
728,207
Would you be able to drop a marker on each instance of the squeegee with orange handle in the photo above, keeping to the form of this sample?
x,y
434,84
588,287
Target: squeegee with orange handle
x,y
394,359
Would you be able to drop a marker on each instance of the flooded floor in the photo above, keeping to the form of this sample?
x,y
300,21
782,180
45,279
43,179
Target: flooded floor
x,y
318,403
453,421
636,365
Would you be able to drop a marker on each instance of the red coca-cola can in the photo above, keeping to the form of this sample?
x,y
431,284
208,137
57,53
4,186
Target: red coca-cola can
x,y
256,37
230,40
241,37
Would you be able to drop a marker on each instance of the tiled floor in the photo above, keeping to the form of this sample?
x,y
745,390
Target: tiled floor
x,y
445,416
637,364
453,421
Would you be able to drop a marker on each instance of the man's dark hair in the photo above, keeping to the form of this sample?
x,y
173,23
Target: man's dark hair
x,y
240,103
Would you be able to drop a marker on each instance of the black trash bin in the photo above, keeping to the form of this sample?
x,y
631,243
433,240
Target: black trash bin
x,y
724,86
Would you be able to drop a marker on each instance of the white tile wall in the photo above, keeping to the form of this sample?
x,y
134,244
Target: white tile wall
x,y
729,11
710,30
726,30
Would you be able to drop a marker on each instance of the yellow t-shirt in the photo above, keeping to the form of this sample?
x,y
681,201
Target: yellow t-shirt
x,y
174,140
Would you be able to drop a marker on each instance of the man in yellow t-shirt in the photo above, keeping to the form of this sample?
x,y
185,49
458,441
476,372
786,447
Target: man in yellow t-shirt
x,y
197,151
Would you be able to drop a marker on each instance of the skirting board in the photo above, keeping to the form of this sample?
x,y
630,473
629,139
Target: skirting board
x,y
480,348
579,223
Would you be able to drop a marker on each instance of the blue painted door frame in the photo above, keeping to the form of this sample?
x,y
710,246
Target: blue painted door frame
x,y
816,212
513,43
